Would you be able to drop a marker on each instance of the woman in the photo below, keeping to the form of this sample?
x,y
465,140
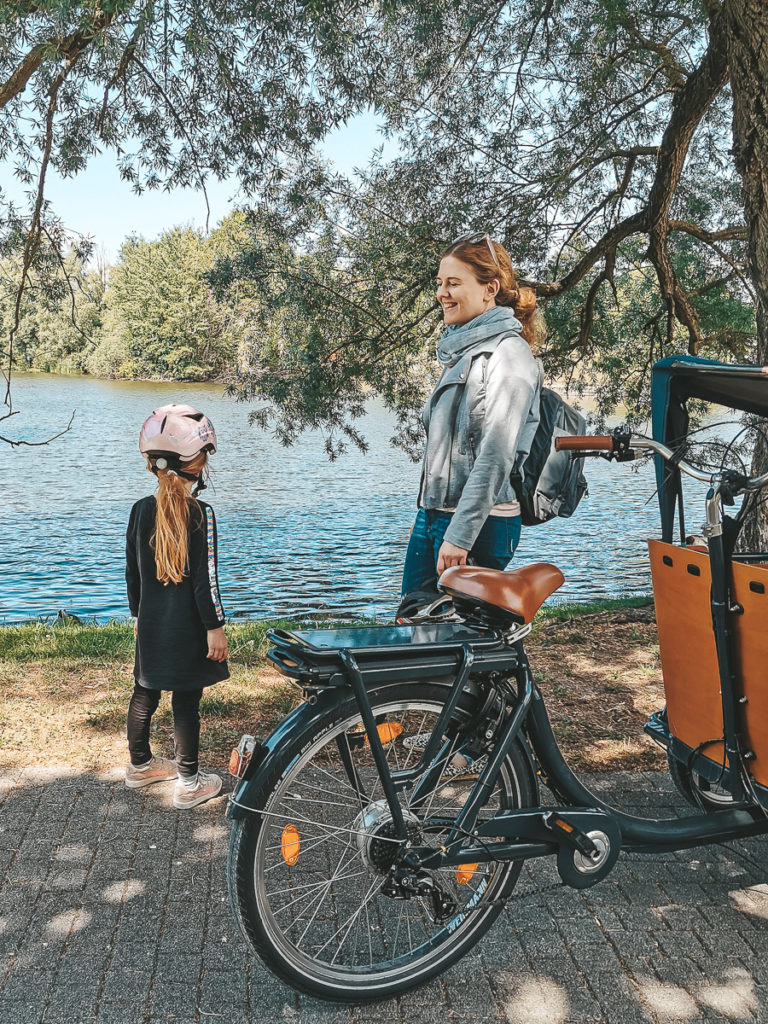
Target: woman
x,y
481,416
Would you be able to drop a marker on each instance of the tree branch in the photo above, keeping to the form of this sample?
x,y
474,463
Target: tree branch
x,y
32,241
126,57
70,47
16,443
689,106
734,232
632,225
676,74
588,310
183,129
65,272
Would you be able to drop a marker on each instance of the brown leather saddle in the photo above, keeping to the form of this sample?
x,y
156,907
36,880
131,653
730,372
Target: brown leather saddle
x,y
520,593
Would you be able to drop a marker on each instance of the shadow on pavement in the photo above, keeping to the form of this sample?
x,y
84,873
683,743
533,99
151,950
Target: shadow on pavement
x,y
113,910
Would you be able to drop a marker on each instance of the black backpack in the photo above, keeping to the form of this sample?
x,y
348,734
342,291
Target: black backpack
x,y
552,483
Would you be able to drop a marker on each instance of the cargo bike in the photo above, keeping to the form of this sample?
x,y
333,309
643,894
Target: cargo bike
x,y
381,829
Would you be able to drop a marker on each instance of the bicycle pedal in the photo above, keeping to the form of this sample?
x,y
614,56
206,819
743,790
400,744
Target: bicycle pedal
x,y
569,834
585,854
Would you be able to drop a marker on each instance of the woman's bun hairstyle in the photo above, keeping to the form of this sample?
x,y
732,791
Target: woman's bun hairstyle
x,y
477,256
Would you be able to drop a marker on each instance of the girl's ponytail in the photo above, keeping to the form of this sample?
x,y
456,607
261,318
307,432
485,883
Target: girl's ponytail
x,y
170,540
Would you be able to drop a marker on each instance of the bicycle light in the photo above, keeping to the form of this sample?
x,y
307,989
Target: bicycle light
x,y
240,758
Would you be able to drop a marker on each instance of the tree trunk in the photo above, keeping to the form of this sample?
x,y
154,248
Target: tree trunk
x,y
747,28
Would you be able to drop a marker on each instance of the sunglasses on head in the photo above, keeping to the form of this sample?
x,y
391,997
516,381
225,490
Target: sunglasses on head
x,y
475,238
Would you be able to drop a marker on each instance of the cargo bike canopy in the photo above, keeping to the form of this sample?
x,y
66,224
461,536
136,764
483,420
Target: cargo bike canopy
x,y
674,381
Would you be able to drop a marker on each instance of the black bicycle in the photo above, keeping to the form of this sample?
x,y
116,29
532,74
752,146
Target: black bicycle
x,y
379,831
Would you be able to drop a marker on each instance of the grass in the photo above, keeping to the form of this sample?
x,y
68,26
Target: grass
x,y
64,689
573,609
44,641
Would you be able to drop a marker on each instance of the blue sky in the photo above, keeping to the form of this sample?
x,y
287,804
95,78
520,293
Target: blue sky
x,y
98,203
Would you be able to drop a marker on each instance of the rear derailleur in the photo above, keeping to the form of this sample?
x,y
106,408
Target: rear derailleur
x,y
404,884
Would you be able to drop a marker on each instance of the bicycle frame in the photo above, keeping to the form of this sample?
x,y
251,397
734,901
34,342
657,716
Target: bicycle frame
x,y
585,833
515,834
343,813
532,829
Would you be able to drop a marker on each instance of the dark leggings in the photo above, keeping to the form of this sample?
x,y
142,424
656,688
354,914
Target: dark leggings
x,y
186,726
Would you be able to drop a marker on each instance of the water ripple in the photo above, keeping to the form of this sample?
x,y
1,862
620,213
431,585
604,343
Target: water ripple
x,y
299,536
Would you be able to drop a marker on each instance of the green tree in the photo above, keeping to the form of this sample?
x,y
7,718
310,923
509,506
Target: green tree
x,y
162,320
618,150
614,149
179,92
60,318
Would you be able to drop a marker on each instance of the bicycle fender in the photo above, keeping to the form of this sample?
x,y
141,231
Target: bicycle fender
x,y
243,798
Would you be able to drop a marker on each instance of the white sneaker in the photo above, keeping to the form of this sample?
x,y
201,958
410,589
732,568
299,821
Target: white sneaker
x,y
460,767
159,769
208,786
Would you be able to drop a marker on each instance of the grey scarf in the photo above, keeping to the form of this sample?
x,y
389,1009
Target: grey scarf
x,y
487,329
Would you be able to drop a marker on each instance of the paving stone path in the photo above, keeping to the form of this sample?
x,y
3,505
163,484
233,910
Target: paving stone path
x,y
113,911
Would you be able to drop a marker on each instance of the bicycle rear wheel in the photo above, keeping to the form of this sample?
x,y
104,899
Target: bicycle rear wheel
x,y
308,874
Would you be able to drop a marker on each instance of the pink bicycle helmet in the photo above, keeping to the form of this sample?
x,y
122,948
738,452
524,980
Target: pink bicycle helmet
x,y
175,434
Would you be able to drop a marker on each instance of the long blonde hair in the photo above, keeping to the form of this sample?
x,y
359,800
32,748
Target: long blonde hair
x,y
174,505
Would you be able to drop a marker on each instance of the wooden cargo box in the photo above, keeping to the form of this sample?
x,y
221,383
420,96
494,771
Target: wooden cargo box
x,y
681,588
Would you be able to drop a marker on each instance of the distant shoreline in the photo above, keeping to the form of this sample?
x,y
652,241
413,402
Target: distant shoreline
x,y
33,371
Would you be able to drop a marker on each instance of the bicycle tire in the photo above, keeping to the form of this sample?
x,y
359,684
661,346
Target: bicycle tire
x,y
697,790
266,895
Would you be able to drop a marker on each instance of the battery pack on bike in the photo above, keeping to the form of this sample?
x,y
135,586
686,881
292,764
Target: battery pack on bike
x,y
312,658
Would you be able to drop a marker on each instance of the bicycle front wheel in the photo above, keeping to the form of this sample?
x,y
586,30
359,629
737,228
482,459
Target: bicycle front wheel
x,y
308,871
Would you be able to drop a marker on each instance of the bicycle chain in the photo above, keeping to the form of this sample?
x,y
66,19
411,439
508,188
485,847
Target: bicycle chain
x,y
516,897
512,898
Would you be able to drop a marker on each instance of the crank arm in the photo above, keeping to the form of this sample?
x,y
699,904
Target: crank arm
x,y
586,841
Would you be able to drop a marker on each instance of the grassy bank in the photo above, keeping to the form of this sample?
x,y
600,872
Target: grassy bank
x,y
65,689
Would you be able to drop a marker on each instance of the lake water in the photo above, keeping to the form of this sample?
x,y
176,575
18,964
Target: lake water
x,y
299,536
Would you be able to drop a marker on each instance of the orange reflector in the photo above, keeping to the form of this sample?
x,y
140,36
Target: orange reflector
x,y
290,845
387,731
464,873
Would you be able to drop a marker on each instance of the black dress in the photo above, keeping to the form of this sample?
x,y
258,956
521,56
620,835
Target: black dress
x,y
171,644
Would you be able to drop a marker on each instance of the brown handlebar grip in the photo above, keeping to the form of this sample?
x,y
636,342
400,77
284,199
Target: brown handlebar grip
x,y
596,443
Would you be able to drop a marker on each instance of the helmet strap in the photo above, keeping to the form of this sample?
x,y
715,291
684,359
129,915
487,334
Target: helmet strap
x,y
198,480
173,465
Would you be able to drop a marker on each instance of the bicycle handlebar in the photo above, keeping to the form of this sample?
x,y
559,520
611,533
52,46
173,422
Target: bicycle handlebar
x,y
625,442
580,443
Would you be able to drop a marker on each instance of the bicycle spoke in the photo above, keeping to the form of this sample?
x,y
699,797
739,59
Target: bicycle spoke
x,y
323,801
351,920
328,885
335,779
311,885
322,890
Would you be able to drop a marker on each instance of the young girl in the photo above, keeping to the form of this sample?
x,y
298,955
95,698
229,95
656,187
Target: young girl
x,y
173,592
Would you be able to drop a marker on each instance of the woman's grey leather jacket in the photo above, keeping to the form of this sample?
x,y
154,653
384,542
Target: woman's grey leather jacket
x,y
480,419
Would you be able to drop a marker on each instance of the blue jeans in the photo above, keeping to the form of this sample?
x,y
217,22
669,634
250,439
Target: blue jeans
x,y
493,548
